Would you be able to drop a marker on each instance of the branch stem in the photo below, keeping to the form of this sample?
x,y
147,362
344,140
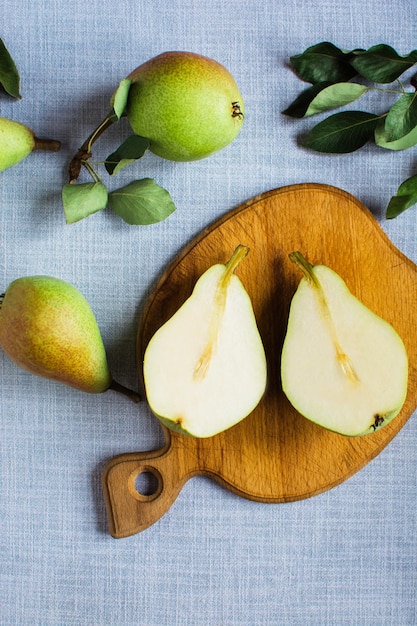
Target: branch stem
x,y
92,172
84,153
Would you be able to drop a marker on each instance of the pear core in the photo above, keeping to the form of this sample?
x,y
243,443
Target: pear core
x,y
186,104
342,366
205,368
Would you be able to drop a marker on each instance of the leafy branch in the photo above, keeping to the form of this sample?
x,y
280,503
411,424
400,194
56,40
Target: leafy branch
x,y
331,71
141,202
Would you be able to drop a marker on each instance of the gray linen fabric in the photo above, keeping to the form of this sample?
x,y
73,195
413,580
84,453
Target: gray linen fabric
x,y
344,558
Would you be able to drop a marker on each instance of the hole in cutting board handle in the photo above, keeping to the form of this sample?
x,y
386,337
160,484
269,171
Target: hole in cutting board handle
x,y
145,483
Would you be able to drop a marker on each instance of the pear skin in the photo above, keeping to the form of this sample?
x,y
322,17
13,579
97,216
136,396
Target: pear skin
x,y
48,328
17,141
186,104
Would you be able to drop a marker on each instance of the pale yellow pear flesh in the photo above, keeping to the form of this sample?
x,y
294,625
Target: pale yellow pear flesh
x,y
16,142
342,366
205,368
48,328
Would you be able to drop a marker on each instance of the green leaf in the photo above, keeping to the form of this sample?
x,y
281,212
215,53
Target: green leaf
x,y
119,99
83,200
342,132
405,198
129,151
324,97
335,96
402,117
408,187
399,204
405,142
323,62
9,76
382,64
299,107
142,202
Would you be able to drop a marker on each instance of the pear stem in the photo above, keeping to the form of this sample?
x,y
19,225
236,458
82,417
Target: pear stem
x,y
342,358
51,145
84,153
301,262
237,256
129,393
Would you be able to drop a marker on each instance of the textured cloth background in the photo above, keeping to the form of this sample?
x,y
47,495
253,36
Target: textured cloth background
x,y
345,558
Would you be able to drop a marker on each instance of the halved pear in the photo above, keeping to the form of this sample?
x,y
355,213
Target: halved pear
x,y
205,368
342,366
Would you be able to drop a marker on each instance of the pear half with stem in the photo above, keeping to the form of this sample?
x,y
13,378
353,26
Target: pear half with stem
x,y
205,368
342,366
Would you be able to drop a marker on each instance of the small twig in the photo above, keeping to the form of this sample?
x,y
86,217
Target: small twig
x,y
84,153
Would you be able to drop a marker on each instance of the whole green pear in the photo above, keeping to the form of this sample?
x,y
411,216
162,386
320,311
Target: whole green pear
x,y
48,328
17,141
187,105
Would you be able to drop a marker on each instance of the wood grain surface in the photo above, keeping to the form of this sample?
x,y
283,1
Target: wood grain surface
x,y
274,455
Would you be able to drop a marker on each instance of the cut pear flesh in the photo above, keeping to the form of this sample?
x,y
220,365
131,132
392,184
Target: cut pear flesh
x,y
342,366
205,368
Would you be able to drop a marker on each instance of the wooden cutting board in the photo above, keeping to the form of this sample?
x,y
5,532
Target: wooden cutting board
x,y
274,455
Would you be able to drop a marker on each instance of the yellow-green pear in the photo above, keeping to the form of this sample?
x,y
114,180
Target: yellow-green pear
x,y
17,141
342,366
205,368
48,328
186,104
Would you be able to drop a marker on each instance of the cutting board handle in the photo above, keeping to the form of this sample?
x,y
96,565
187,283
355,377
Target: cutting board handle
x,y
132,508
